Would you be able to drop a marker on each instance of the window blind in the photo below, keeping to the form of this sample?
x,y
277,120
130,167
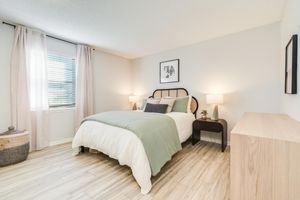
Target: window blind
x,y
61,81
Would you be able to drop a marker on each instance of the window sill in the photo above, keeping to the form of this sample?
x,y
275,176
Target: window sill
x,y
62,109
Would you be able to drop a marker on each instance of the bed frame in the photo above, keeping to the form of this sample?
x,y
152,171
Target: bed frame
x,y
176,92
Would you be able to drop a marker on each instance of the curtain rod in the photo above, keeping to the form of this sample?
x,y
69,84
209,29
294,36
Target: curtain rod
x,y
50,36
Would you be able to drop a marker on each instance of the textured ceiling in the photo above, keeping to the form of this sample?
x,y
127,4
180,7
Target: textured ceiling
x,y
134,28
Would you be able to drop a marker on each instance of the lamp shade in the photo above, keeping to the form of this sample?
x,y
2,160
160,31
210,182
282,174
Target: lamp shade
x,y
133,99
214,99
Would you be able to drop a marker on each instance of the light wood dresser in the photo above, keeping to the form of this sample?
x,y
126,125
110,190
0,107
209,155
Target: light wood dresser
x,y
265,158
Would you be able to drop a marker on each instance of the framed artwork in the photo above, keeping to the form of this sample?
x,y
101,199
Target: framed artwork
x,y
291,66
169,71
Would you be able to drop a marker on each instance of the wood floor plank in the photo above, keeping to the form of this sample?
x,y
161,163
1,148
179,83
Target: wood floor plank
x,y
197,172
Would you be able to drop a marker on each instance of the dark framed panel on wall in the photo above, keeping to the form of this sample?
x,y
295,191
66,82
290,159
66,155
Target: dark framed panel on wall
x,y
291,53
169,71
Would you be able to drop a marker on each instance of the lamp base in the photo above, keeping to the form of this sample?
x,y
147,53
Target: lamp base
x,y
215,115
134,106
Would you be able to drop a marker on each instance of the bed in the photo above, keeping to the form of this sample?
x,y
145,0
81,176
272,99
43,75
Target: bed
x,y
129,148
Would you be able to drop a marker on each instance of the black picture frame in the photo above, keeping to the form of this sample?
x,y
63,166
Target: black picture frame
x,y
291,53
175,63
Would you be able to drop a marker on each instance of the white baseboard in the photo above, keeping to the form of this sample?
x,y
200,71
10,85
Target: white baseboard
x,y
62,141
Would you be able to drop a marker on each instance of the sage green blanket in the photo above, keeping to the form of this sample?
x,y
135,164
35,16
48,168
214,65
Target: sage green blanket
x,y
157,132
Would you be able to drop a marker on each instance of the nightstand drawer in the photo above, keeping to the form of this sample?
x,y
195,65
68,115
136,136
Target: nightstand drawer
x,y
208,126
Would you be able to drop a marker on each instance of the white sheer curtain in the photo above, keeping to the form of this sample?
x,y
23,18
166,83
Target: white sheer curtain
x,y
84,84
29,85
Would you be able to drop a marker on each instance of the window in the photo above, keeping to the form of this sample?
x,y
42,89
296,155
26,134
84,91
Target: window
x,y
61,81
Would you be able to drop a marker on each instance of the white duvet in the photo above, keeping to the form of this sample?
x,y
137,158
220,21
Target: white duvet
x,y
125,146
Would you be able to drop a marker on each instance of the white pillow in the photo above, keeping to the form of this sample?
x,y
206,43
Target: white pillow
x,y
169,101
153,101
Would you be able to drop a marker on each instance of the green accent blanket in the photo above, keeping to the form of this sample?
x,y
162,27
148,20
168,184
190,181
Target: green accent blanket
x,y
157,132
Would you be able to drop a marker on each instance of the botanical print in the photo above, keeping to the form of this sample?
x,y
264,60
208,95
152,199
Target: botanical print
x,y
169,71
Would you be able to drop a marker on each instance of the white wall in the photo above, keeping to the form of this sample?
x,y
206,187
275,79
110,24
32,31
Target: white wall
x,y
112,82
243,66
290,25
61,125
112,76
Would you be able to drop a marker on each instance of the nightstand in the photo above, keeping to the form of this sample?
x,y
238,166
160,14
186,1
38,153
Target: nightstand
x,y
219,126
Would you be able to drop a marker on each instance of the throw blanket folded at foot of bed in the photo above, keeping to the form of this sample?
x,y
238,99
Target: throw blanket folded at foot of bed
x,y
157,132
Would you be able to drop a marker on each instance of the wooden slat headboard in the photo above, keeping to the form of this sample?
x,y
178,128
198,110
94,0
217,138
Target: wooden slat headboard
x,y
176,92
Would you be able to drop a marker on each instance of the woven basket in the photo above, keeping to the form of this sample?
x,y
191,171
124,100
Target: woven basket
x,y
14,148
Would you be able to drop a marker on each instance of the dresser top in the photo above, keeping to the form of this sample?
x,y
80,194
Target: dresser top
x,y
272,126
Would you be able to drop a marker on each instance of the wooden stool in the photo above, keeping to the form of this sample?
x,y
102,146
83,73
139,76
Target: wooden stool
x,y
14,147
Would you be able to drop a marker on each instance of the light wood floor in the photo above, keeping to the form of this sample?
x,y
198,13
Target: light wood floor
x,y
197,172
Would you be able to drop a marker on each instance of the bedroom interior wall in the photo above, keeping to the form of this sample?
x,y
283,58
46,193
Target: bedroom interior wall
x,y
290,25
112,78
242,66
112,82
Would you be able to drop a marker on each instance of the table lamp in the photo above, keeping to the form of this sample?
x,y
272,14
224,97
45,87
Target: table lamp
x,y
133,99
215,99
